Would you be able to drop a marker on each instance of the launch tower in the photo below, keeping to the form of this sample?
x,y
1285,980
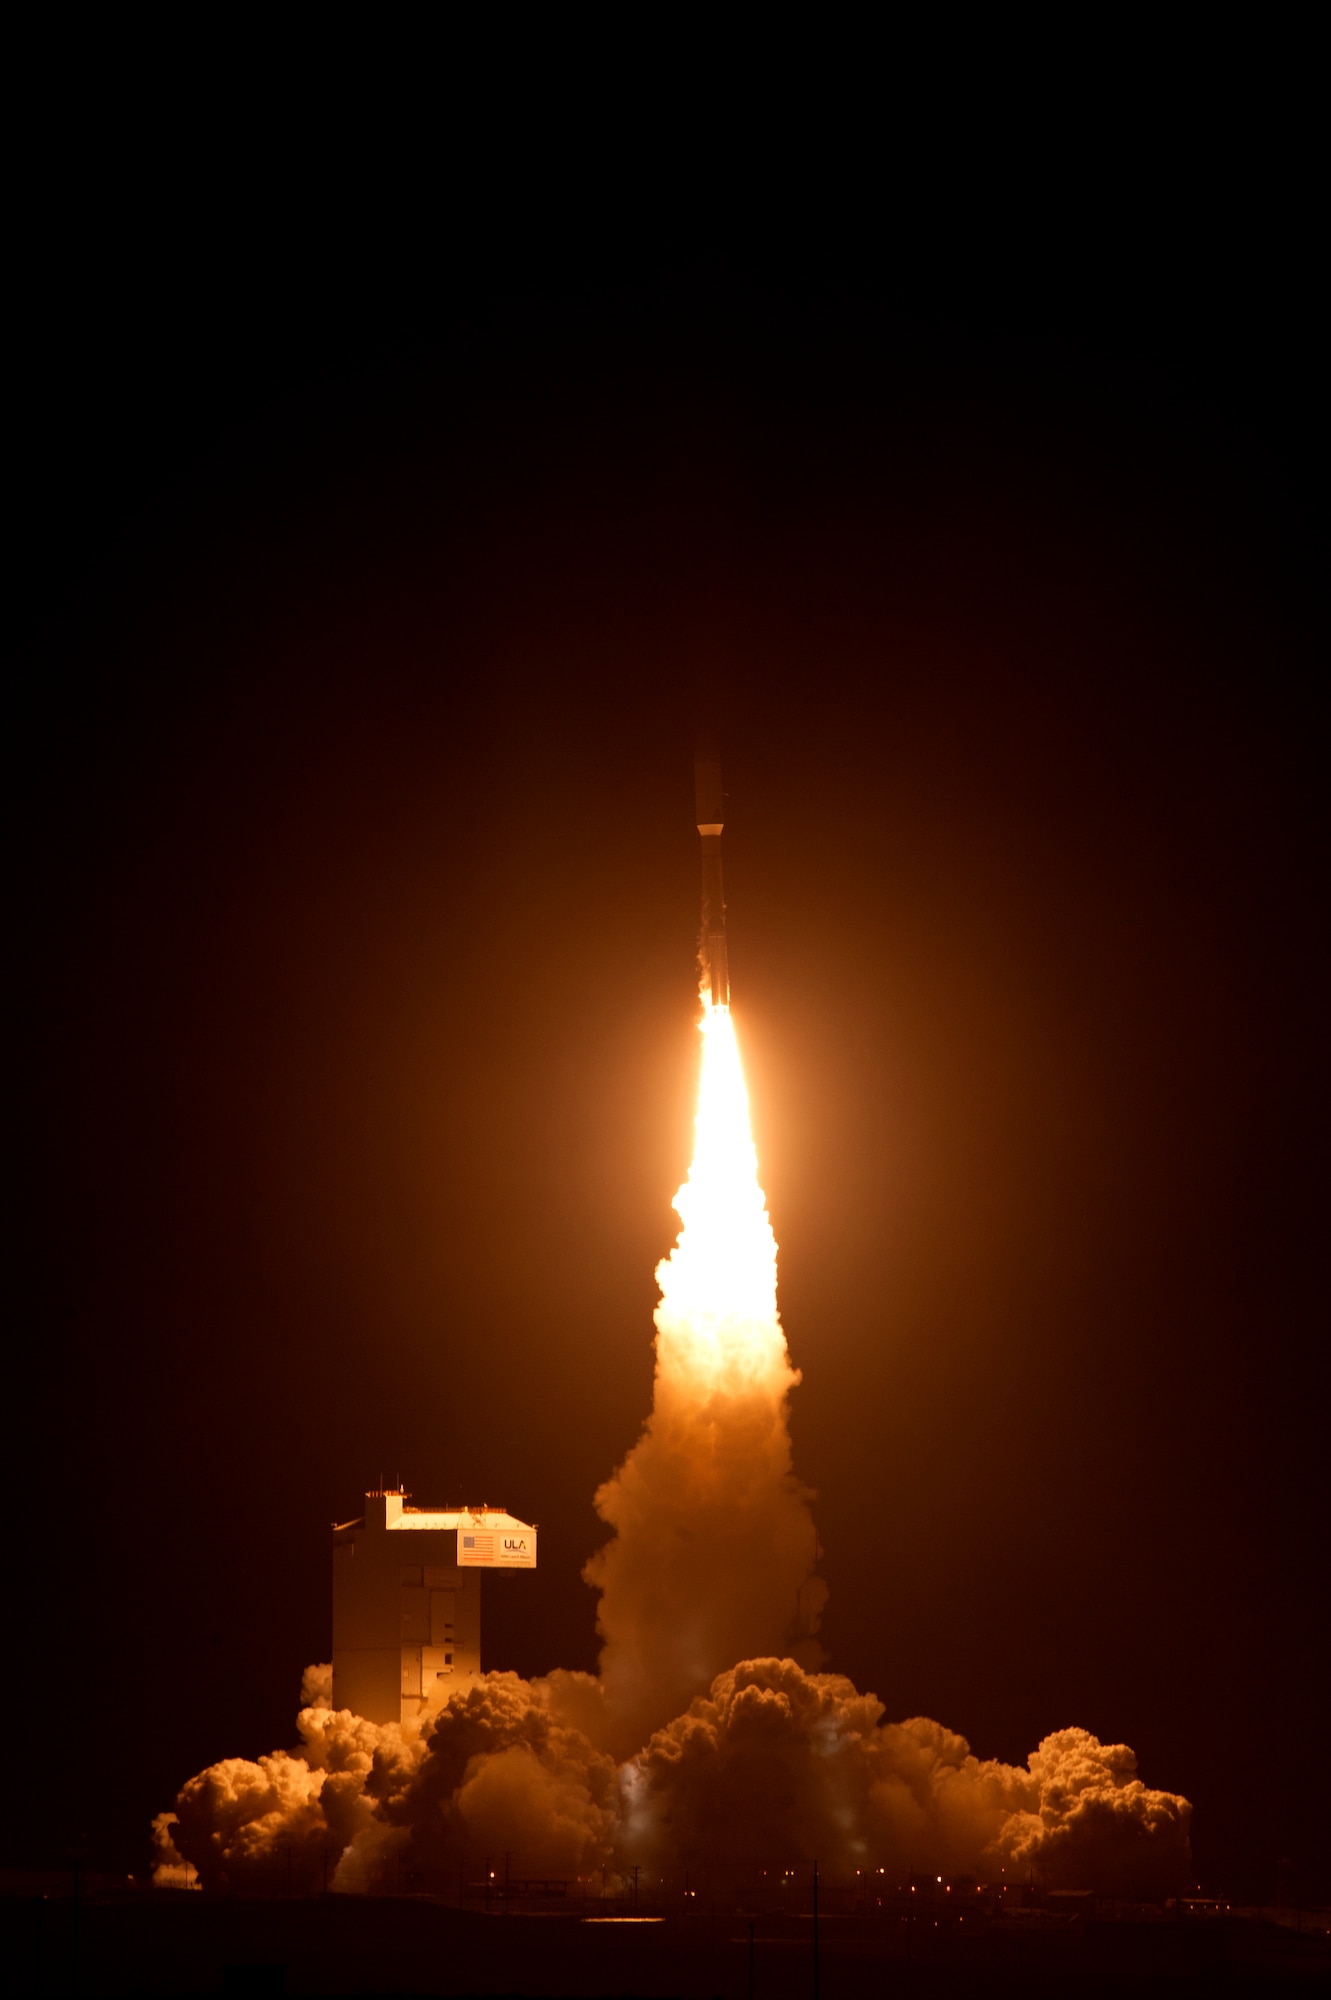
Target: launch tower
x,y
407,1599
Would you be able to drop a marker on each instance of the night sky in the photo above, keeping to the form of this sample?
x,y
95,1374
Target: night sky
x,y
367,621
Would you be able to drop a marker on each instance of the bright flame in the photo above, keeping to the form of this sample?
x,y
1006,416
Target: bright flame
x,y
717,1322
714,1542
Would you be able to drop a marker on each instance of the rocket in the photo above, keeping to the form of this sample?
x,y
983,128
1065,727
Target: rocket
x,y
712,935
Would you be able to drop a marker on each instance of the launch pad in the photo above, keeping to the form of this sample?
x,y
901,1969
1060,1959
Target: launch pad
x,y
307,1942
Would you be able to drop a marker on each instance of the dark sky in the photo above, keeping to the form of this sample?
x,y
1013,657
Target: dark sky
x,y
368,619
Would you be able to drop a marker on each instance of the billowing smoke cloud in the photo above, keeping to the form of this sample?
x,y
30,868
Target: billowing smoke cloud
x,y
784,1767
774,1767
500,1767
675,1757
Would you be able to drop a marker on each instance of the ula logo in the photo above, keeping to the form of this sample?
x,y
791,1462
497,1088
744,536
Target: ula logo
x,y
518,1548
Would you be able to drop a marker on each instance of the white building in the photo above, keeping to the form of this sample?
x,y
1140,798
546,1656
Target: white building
x,y
407,1599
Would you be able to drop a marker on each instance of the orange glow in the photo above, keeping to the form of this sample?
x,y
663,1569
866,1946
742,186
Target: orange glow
x,y
717,1320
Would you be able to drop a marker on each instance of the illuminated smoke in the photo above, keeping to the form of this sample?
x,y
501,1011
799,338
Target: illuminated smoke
x,y
780,1766
714,1544
675,1757
773,1767
499,1767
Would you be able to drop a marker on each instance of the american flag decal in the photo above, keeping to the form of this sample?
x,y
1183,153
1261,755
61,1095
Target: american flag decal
x,y
480,1547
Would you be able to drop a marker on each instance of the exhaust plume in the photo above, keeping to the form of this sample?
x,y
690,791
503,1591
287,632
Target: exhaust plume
x,y
714,1543
676,1757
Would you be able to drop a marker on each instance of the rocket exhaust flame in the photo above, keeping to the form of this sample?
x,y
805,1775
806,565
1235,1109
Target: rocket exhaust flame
x,y
713,1532
707,1740
717,1320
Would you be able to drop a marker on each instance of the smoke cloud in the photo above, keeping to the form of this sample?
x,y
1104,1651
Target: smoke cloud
x,y
500,1766
783,1767
772,1768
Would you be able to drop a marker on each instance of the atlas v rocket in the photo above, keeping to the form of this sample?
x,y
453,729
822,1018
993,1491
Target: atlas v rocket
x,y
712,936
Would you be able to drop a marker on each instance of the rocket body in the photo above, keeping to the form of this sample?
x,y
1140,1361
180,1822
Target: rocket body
x,y
712,954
